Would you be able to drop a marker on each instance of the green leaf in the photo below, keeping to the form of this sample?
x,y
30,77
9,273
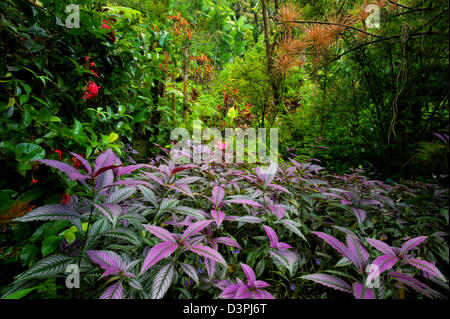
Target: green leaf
x,y
28,152
49,229
50,244
24,99
48,267
33,46
28,252
21,293
112,137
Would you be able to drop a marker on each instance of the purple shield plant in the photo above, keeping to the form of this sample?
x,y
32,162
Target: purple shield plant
x,y
392,255
251,290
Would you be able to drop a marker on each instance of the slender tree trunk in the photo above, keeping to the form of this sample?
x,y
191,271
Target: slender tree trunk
x,y
277,6
185,80
267,33
174,107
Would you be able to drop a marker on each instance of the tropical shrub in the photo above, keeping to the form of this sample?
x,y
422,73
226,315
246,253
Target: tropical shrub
x,y
168,229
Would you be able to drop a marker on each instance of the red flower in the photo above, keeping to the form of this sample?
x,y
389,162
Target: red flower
x,y
112,37
86,58
235,91
218,107
75,162
59,152
34,181
65,198
92,64
105,25
91,91
95,73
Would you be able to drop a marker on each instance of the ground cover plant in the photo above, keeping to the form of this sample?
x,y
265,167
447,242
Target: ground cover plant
x,y
187,231
94,203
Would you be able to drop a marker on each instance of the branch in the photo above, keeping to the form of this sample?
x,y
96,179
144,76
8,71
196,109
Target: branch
x,y
330,23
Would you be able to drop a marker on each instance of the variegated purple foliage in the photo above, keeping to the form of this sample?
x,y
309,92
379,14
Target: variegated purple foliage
x,y
187,241
161,225
253,289
392,255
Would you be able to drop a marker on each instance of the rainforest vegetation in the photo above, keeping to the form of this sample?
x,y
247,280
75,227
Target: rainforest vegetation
x,y
93,204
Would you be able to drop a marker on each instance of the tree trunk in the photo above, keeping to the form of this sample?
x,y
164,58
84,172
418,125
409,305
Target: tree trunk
x,y
267,33
185,81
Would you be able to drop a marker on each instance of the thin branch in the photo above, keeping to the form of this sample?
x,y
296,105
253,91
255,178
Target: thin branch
x,y
330,23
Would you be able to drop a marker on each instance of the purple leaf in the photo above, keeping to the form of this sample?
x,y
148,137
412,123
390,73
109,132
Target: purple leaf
x,y
379,245
182,188
277,210
346,202
413,283
162,281
243,292
107,158
50,212
115,291
70,171
243,201
210,266
426,267
83,162
384,262
111,211
335,243
218,193
120,195
357,252
207,252
195,228
284,246
362,292
161,233
411,244
157,253
261,284
227,241
360,214
103,180
190,271
246,219
107,260
129,169
286,258
262,294
443,137
330,281
272,237
154,178
107,168
280,188
249,273
218,217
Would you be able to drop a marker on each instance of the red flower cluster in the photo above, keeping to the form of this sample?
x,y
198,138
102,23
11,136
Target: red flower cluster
x,y
106,25
181,27
92,65
59,152
91,91
203,71
65,198
163,67
75,162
